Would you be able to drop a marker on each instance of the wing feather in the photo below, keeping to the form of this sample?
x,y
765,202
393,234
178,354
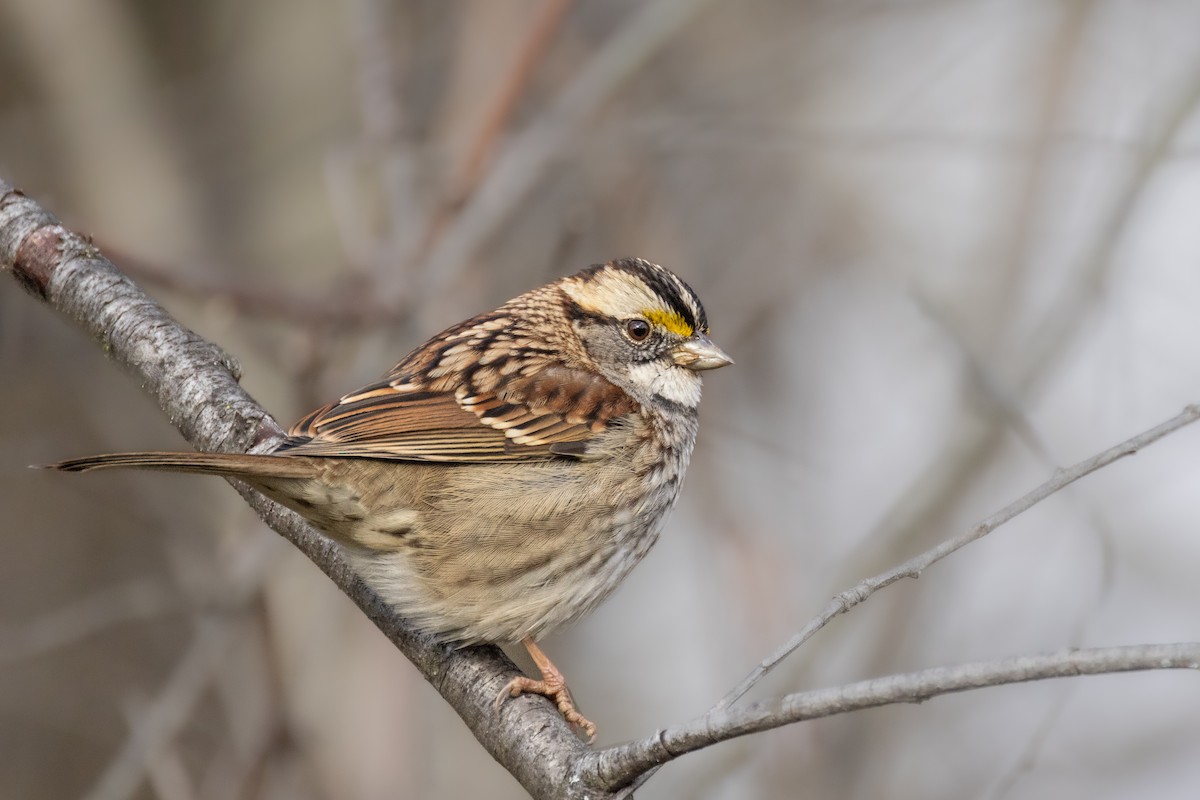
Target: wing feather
x,y
535,418
493,388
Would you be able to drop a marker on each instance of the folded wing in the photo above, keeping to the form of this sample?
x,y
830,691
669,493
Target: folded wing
x,y
551,413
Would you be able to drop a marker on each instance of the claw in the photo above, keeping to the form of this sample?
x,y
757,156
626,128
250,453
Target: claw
x,y
553,686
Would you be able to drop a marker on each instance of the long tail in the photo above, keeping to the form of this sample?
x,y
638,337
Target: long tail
x,y
265,466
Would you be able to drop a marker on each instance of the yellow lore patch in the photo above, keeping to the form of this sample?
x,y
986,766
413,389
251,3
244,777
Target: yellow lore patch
x,y
671,320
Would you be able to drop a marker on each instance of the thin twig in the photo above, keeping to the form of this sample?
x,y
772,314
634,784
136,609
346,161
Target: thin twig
x,y
1083,293
1058,329
1026,759
135,600
1009,408
167,776
1059,67
547,19
913,568
524,163
617,766
163,718
373,252
1054,336
196,385
372,31
267,301
168,713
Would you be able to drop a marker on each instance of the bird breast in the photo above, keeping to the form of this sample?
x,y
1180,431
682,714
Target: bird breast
x,y
497,552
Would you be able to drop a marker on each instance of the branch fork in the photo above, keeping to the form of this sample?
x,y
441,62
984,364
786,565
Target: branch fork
x,y
196,385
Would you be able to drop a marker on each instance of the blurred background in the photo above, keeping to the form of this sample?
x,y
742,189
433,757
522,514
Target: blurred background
x,y
952,245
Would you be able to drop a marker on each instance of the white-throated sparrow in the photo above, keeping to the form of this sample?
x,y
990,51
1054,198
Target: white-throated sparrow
x,y
505,476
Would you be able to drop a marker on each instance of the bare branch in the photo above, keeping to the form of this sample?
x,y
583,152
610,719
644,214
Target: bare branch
x,y
359,311
546,22
524,163
158,723
162,719
113,605
379,96
195,383
913,568
617,766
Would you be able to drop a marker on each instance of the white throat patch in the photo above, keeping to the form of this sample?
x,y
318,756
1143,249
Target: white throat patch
x,y
673,383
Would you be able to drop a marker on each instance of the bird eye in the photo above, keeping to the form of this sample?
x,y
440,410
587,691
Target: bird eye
x,y
638,329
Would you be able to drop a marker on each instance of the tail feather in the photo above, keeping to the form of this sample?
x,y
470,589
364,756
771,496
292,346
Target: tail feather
x,y
235,464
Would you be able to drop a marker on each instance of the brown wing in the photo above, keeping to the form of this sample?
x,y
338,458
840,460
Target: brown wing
x,y
552,413
494,388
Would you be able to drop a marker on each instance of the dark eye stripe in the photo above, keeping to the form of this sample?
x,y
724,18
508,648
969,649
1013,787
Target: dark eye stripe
x,y
578,313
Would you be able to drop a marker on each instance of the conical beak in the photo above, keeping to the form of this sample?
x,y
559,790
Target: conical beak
x,y
699,353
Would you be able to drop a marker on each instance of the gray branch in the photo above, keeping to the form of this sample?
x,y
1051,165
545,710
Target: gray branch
x,y
196,384
618,766
517,170
913,568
